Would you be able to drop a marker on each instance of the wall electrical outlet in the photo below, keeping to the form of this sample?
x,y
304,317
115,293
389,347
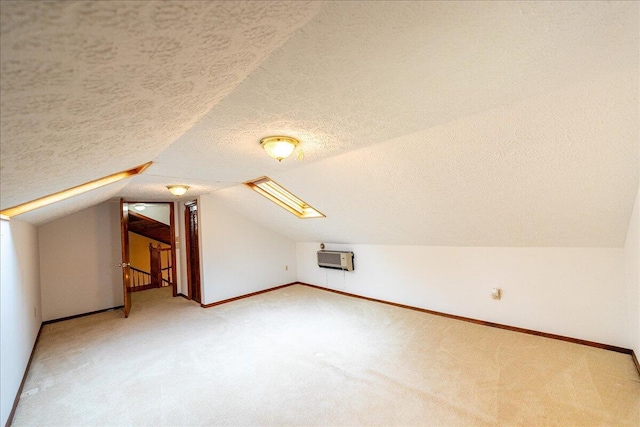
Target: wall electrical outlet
x,y
496,293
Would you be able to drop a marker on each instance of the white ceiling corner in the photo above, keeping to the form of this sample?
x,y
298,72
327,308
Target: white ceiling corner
x,y
477,181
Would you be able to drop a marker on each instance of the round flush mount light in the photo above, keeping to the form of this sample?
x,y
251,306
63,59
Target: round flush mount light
x,y
139,206
177,190
279,147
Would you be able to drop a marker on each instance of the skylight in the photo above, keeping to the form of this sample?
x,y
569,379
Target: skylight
x,y
79,189
279,195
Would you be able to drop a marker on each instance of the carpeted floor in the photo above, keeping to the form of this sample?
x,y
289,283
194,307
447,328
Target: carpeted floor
x,y
303,356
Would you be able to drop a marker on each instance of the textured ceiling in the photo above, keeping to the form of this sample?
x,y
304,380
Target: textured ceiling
x,y
427,123
365,72
555,180
93,88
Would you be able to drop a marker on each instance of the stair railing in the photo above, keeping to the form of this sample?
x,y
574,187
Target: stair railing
x,y
140,280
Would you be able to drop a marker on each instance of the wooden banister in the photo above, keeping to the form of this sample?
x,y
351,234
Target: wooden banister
x,y
140,279
160,259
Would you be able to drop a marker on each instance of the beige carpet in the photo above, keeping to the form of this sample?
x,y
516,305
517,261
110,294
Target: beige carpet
x,y
302,356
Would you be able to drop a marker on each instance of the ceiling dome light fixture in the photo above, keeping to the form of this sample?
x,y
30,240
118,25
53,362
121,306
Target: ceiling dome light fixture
x,y
177,190
279,147
139,206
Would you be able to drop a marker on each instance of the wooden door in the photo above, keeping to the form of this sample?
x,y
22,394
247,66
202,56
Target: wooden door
x,y
172,227
193,251
172,242
125,264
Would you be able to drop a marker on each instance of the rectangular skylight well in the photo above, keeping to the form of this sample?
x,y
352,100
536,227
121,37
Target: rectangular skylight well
x,y
71,192
282,197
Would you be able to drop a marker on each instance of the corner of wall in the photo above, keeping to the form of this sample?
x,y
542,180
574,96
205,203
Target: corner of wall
x,y
238,255
21,307
632,274
79,254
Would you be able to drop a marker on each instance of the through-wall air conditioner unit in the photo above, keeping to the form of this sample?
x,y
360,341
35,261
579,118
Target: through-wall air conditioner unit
x,y
336,259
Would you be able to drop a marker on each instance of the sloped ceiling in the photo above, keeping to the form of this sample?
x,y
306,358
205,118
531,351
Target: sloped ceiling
x,y
93,88
422,123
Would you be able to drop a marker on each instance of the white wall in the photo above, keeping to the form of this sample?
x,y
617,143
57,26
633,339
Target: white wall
x,y
20,308
575,292
79,256
632,274
239,256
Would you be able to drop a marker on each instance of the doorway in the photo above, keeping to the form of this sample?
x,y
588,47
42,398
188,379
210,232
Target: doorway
x,y
148,249
193,251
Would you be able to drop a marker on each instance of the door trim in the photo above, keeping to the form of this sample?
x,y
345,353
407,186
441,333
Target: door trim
x,y
188,248
124,243
172,231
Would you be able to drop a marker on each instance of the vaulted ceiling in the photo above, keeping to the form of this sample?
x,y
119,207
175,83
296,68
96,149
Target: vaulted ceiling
x,y
421,123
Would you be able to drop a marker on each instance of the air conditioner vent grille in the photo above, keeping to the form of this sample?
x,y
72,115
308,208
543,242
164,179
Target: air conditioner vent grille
x,y
336,259
329,258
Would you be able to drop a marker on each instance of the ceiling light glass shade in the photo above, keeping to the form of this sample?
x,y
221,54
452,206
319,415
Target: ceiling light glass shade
x,y
177,190
139,207
279,147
